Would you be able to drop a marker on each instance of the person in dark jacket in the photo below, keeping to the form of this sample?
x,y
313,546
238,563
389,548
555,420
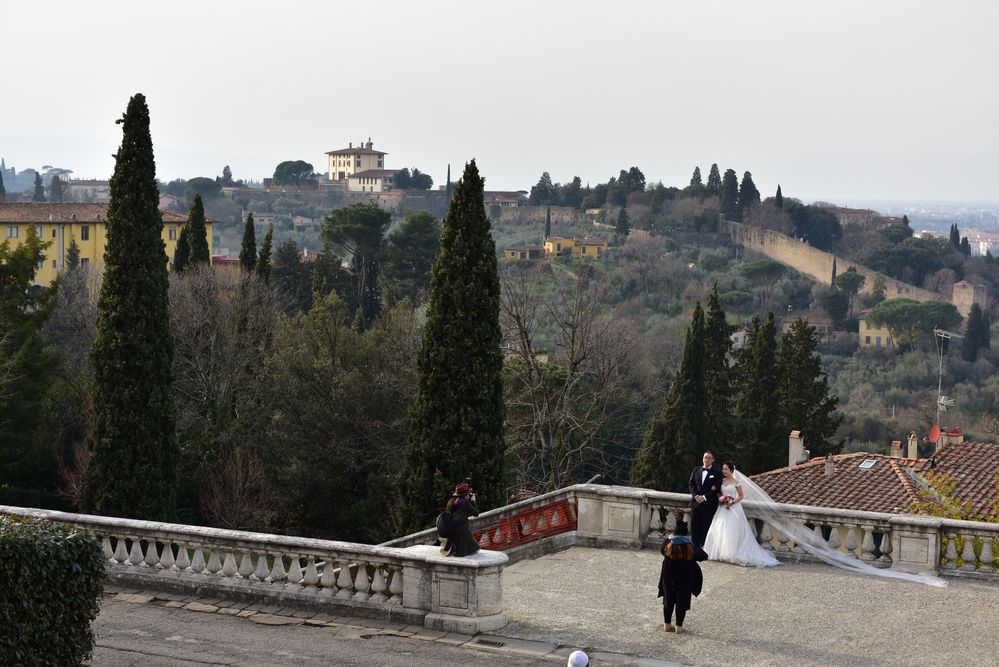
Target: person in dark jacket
x,y
679,578
462,507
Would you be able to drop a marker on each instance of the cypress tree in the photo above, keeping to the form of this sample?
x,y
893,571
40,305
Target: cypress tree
x,y
832,282
548,222
72,255
965,247
623,227
39,195
248,251
134,453
977,335
714,184
55,189
197,233
955,236
676,436
457,421
803,390
182,255
264,259
695,179
718,376
730,196
749,196
3,190
760,445
779,198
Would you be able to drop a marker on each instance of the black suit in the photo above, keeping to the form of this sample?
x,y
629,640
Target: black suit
x,y
703,513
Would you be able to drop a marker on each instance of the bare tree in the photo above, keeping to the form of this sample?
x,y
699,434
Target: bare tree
x,y
567,404
238,494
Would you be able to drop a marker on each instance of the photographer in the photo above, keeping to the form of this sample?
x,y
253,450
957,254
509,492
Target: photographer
x,y
462,507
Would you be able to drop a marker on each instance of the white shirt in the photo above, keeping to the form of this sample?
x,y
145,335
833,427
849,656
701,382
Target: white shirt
x,y
704,475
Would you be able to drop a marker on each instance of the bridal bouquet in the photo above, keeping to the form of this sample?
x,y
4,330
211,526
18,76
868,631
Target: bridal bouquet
x,y
726,500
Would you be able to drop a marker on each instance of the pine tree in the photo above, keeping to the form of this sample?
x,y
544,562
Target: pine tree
x,y
55,189
457,419
197,233
955,236
182,254
623,227
803,391
730,196
760,445
134,453
678,434
264,259
39,195
779,198
718,376
695,179
548,222
978,334
72,255
714,184
248,251
749,196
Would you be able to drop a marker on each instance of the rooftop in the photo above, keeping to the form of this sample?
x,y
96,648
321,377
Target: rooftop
x,y
50,212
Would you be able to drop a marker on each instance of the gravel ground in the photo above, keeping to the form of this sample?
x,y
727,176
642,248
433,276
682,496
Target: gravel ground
x,y
795,614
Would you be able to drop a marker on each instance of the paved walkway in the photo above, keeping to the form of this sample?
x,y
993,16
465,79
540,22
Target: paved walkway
x,y
795,614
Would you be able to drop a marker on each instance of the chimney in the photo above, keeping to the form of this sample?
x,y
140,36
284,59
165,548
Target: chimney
x,y
896,449
829,467
913,452
795,449
350,144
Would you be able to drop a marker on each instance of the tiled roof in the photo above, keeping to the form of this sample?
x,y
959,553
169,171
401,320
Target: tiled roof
x,y
885,487
356,151
973,465
67,213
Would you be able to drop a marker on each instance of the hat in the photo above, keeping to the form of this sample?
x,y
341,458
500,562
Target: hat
x,y
681,528
461,490
578,659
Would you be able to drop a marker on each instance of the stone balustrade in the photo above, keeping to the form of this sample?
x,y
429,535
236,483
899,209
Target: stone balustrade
x,y
415,585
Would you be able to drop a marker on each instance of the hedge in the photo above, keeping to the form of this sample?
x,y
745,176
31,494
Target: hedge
x,y
51,576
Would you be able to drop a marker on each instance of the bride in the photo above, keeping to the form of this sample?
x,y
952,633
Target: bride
x,y
730,538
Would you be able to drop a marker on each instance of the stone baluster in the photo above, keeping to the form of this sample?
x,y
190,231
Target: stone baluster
x,y
361,583
328,580
834,541
395,586
797,548
655,521
987,554
167,561
851,540
229,565
344,582
311,578
867,545
968,553
262,571
886,549
766,537
198,562
214,563
152,558
782,540
295,572
378,585
278,572
245,565
951,552
183,558
106,548
135,554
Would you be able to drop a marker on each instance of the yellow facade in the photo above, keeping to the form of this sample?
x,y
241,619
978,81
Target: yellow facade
x,y
60,224
586,247
344,163
872,335
591,247
556,245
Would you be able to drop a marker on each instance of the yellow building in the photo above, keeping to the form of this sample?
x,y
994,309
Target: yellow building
x,y
872,335
590,247
346,162
557,245
60,224
523,252
584,247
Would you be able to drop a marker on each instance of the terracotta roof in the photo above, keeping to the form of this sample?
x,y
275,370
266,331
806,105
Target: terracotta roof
x,y
356,151
973,465
373,173
67,213
884,487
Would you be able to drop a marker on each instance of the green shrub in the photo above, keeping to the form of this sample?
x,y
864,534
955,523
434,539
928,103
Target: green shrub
x,y
51,577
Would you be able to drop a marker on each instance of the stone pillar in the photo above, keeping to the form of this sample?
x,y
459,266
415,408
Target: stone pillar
x,y
916,543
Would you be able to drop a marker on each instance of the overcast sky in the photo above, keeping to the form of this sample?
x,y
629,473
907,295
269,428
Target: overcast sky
x,y
879,100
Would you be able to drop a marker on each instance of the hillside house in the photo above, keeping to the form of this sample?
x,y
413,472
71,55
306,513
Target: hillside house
x,y
523,252
346,162
874,335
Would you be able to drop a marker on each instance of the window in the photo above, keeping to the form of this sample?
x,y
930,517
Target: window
x,y
84,261
54,264
867,340
53,232
38,231
12,231
173,233
879,341
85,233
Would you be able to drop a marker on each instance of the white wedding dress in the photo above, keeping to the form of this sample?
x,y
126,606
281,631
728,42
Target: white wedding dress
x,y
730,538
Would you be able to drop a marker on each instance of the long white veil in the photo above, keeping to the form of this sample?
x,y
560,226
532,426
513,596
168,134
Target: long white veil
x,y
768,510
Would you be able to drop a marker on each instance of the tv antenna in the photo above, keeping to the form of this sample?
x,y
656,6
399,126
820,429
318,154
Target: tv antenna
x,y
941,338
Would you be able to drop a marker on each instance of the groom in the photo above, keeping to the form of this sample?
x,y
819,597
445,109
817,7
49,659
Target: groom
x,y
705,487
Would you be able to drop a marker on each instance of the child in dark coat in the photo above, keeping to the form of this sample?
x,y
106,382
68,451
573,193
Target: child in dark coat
x,y
679,578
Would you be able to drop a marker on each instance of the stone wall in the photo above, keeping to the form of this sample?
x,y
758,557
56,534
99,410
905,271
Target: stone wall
x,y
816,263
561,215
